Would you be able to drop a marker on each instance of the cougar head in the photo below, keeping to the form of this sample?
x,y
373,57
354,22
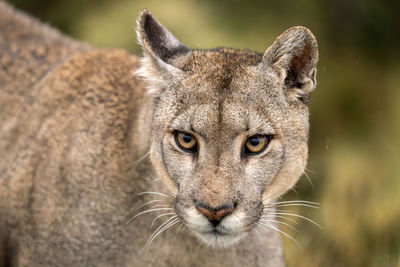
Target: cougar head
x,y
230,127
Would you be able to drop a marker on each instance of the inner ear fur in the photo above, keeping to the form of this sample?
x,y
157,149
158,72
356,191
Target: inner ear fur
x,y
296,53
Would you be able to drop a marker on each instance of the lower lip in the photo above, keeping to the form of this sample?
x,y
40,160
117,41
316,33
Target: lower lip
x,y
217,232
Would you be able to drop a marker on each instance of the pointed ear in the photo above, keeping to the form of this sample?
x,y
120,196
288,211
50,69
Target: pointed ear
x,y
156,40
295,54
160,49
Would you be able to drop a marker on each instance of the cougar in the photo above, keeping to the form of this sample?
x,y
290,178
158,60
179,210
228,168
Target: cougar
x,y
176,158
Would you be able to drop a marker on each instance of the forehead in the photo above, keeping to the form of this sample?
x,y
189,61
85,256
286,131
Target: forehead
x,y
227,58
227,116
222,89
217,68
220,74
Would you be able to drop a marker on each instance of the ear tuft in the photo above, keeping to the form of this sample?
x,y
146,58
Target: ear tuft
x,y
296,52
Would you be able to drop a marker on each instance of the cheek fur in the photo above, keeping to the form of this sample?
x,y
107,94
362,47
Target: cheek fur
x,y
179,164
262,170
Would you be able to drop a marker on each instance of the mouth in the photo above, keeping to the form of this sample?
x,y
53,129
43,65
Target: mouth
x,y
219,238
216,231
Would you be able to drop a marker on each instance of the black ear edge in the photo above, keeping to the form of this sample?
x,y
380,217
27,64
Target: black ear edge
x,y
156,40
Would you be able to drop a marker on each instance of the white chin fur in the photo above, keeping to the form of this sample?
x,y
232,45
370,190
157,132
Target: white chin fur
x,y
219,241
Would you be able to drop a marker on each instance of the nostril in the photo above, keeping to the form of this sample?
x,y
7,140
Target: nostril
x,y
215,215
205,210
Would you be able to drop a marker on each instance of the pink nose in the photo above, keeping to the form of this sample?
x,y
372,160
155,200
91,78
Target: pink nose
x,y
215,215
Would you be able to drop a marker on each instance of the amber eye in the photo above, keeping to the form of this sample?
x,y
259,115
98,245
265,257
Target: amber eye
x,y
186,142
256,144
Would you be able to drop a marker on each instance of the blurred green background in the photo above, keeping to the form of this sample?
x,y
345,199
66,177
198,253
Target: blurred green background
x,y
354,162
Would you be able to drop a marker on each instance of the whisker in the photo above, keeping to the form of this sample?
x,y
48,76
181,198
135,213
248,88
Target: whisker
x,y
136,163
283,217
156,233
298,204
162,225
146,211
147,203
308,178
177,232
165,228
297,201
161,206
274,210
294,190
293,204
277,221
179,228
159,216
153,177
154,193
285,234
299,216
308,170
150,178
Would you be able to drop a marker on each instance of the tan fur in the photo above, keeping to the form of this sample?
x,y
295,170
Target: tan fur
x,y
83,130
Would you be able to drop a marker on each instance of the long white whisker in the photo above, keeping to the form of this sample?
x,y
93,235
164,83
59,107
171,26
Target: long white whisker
x,y
147,203
299,216
164,229
161,226
179,228
296,204
161,206
277,221
283,217
159,231
285,234
177,231
274,215
161,215
155,193
308,178
296,201
153,177
136,163
274,210
305,169
146,211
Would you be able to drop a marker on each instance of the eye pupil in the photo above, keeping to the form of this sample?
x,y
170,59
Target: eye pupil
x,y
187,138
255,141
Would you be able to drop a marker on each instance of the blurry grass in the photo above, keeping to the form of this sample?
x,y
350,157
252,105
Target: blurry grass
x,y
355,122
114,25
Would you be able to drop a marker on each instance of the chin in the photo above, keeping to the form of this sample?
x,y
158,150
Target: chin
x,y
216,239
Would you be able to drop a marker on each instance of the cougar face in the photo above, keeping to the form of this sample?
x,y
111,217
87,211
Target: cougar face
x,y
230,127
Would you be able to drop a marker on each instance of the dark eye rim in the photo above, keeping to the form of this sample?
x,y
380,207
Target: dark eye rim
x,y
246,152
192,150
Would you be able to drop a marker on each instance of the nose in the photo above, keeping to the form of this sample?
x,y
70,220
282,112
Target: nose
x,y
215,215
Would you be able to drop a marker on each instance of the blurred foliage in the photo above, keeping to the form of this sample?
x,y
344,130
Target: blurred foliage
x,y
355,123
